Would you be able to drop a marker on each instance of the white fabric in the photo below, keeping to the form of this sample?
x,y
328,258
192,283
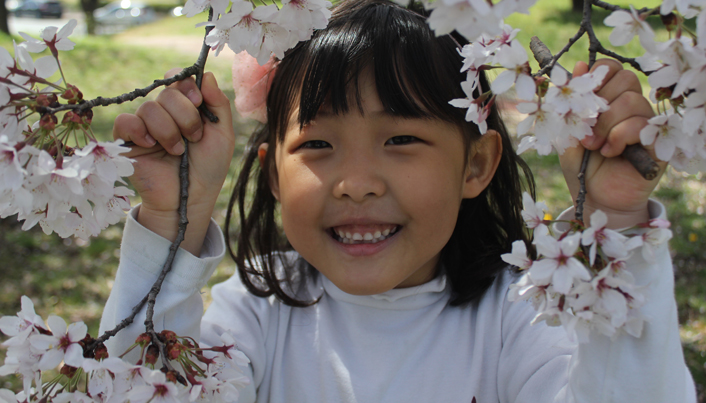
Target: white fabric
x,y
405,345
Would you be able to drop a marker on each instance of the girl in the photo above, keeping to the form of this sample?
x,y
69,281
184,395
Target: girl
x,y
389,285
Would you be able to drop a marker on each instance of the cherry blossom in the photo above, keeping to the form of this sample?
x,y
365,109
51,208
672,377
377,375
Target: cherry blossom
x,y
628,24
156,390
51,38
518,257
61,345
558,262
612,242
477,112
514,58
665,132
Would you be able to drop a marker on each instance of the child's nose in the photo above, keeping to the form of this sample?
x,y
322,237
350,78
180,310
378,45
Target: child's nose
x,y
359,177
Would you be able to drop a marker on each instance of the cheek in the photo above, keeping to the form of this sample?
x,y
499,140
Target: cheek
x,y
301,202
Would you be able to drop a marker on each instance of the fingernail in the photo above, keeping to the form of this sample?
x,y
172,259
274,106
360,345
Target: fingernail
x,y
150,140
193,97
179,148
197,136
588,141
605,149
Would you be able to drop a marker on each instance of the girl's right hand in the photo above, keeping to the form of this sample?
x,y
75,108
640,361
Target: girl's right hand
x,y
156,128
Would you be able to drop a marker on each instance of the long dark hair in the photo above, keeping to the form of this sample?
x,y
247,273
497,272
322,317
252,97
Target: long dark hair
x,y
416,74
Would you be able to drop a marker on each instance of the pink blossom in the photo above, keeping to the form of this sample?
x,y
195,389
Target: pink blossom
x,y
251,83
558,262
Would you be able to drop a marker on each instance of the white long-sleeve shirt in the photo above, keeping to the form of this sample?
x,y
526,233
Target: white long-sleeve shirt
x,y
405,345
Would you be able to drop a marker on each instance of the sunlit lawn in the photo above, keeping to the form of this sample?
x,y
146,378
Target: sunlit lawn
x,y
73,278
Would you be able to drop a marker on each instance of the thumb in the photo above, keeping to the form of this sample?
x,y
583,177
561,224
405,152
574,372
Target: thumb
x,y
580,69
216,100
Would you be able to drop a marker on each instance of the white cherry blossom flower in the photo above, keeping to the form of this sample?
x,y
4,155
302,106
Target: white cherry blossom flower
x,y
25,320
518,257
665,131
514,59
576,94
652,239
628,24
51,38
611,242
558,262
477,113
61,345
301,17
156,390
532,213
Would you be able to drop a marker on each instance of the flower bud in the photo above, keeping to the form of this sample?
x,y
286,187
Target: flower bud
x,y
152,354
169,336
86,116
143,339
670,21
45,99
663,93
72,94
542,85
48,122
174,350
101,352
68,371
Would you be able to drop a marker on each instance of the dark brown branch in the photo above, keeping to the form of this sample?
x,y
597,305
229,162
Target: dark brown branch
x,y
613,7
151,297
581,196
122,325
129,96
548,61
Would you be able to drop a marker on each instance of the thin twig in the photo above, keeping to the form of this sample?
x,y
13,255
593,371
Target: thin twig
x,y
129,96
549,64
581,197
150,298
122,325
613,7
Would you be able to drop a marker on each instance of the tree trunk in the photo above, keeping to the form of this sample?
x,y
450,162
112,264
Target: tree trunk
x,y
4,27
577,6
89,6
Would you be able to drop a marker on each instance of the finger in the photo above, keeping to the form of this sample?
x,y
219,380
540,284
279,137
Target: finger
x,y
625,106
161,126
613,68
186,86
129,127
182,112
622,134
218,103
580,69
622,81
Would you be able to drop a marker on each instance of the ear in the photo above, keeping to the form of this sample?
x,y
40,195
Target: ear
x,y
274,183
483,161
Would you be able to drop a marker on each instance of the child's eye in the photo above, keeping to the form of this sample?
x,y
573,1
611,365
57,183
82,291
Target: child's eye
x,y
315,144
400,140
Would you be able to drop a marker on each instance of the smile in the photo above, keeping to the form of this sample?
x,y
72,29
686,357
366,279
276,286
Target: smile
x,y
369,236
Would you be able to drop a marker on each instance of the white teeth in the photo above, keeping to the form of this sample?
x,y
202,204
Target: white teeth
x,y
357,238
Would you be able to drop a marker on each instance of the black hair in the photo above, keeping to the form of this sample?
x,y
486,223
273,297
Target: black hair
x,y
416,74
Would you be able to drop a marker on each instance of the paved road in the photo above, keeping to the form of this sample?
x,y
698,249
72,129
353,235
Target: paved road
x,y
33,26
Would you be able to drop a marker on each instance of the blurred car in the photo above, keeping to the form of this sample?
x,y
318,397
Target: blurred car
x,y
124,13
39,9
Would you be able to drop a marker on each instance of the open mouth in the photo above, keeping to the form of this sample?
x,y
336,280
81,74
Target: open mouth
x,y
347,236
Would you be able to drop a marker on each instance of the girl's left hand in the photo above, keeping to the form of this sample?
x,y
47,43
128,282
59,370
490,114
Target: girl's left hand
x,y
613,185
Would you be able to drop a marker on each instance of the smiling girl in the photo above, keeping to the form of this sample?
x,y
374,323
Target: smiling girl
x,y
369,252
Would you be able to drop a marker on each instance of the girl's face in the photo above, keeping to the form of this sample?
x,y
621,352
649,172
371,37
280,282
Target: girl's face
x,y
370,199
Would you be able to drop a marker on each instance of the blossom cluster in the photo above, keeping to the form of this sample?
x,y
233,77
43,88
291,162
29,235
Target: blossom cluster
x,y
208,374
579,279
66,188
677,78
263,30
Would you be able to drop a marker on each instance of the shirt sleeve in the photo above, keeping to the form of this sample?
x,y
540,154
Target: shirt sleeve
x,y
179,306
621,369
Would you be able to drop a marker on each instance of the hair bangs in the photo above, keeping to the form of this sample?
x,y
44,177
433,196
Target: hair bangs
x,y
416,74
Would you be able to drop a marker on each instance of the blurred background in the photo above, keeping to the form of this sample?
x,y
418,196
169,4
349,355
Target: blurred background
x,y
126,44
